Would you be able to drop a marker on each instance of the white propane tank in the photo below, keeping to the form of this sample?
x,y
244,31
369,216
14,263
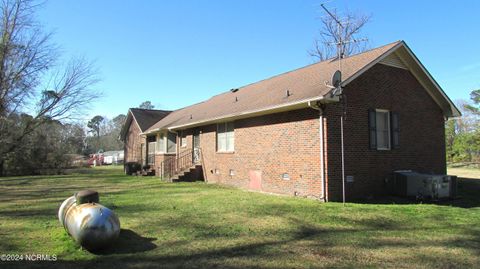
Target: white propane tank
x,y
91,224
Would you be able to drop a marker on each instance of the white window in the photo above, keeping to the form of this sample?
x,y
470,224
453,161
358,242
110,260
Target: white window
x,y
161,143
225,137
167,143
383,129
183,139
151,152
171,143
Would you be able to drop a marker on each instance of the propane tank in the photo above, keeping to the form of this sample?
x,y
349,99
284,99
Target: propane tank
x,y
91,224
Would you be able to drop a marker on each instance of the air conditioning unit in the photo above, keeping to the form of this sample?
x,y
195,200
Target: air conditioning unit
x,y
423,186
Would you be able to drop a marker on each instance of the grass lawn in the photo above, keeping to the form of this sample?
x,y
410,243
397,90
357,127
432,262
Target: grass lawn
x,y
202,225
465,172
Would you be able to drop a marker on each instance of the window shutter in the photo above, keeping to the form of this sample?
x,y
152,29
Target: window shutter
x,y
395,130
372,126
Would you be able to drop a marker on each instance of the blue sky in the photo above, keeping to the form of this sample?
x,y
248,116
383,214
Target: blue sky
x,y
176,53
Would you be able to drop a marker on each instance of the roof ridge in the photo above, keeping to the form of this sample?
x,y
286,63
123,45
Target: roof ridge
x,y
284,73
391,43
178,109
160,110
312,64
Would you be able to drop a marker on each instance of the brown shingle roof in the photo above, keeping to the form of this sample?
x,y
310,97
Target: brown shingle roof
x,y
304,83
148,117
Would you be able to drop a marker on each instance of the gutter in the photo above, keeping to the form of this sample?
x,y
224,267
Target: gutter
x,y
250,113
320,108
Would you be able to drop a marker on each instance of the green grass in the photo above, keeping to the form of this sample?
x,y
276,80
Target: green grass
x,y
203,225
465,172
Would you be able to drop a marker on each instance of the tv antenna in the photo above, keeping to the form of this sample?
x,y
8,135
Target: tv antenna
x,y
337,82
339,43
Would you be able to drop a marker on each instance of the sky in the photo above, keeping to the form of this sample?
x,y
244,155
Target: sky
x,y
175,53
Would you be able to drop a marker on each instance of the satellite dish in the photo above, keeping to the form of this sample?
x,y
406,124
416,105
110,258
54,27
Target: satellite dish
x,y
337,79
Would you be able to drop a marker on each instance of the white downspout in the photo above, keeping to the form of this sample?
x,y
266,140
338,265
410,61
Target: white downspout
x,y
323,197
343,160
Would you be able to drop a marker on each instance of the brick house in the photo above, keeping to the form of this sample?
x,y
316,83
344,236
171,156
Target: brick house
x,y
283,134
138,121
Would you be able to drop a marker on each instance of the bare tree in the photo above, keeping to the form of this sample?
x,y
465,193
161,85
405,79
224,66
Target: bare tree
x,y
325,47
32,81
25,55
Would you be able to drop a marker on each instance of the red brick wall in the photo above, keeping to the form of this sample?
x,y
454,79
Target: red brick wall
x,y
288,142
422,141
280,143
132,143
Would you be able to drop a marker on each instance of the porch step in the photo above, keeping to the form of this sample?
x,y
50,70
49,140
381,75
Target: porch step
x,y
186,173
149,172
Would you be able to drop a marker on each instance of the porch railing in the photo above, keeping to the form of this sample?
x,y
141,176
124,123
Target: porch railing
x,y
174,165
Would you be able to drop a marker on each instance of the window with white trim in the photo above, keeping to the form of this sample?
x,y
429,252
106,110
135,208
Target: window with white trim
x,y
171,143
183,139
225,137
161,143
382,120
151,152
167,143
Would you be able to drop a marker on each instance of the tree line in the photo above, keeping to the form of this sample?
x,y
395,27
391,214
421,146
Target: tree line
x,y
462,135
55,145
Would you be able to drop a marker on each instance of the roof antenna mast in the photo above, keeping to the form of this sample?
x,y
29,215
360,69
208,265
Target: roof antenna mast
x,y
340,44
337,83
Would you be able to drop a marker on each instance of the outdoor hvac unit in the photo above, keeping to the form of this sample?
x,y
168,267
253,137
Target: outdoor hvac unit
x,y
412,184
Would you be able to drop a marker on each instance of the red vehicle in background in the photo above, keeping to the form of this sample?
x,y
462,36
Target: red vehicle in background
x,y
96,159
